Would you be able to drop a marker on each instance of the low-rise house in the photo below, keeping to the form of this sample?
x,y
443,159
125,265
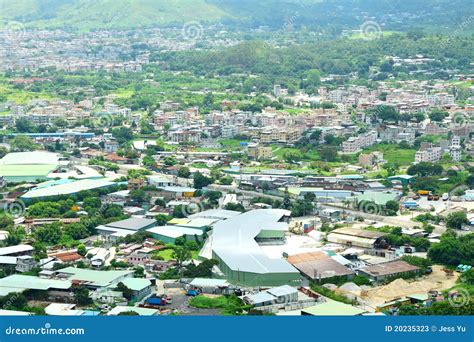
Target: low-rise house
x,y
352,237
389,270
140,287
320,266
177,192
114,230
281,295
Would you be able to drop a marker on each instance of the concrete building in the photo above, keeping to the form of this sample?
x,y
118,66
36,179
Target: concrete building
x,y
356,144
430,155
258,152
140,287
370,159
455,148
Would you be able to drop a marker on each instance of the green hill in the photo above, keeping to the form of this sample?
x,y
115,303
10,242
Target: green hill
x,y
95,14
331,15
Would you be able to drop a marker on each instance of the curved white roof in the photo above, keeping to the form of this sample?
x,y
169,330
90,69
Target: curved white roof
x,y
30,158
234,241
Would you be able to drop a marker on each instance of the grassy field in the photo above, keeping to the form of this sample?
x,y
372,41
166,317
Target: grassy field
x,y
371,35
91,14
230,143
167,254
394,154
279,152
202,302
21,96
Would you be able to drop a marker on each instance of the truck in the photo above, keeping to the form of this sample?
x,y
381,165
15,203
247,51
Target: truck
x,y
156,301
193,292
410,205
424,192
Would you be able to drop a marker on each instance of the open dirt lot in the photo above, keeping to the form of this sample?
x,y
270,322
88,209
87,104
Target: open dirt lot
x,y
438,280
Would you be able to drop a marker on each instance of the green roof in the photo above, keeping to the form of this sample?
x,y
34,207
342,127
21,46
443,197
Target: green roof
x,y
136,284
95,278
18,283
26,170
380,198
333,308
419,296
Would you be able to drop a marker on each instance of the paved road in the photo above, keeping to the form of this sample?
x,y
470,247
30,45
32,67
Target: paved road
x,y
229,188
111,257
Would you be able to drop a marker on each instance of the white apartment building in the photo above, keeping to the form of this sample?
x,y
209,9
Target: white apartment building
x,y
228,131
440,99
455,148
430,155
356,144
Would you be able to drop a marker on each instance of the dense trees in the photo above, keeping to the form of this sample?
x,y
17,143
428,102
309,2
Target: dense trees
x,y
453,250
184,172
444,308
438,115
22,143
122,134
424,169
456,220
235,207
81,295
201,181
181,255
49,233
299,62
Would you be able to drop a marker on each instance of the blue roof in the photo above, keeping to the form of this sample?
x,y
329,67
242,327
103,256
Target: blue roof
x,y
56,134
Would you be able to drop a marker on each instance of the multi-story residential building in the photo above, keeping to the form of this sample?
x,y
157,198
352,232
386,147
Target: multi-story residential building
x,y
356,144
7,120
370,159
440,99
430,155
111,146
455,148
258,152
186,136
229,131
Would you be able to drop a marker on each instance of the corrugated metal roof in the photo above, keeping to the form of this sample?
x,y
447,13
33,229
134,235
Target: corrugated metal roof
x,y
234,242
30,158
136,284
22,282
134,223
174,231
69,188
96,278
16,249
333,308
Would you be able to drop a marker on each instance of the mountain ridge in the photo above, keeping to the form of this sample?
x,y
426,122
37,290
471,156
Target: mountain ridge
x,y
129,14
